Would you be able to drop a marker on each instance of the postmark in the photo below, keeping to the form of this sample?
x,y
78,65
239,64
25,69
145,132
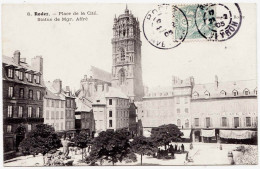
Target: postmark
x,y
218,22
165,27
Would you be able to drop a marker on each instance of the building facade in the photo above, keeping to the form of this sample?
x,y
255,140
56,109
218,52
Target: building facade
x,y
59,107
23,93
110,109
126,55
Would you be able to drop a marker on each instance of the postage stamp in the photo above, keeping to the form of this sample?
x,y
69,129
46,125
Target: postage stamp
x,y
165,27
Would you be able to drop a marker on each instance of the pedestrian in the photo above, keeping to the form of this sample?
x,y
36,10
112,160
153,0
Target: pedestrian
x,y
191,146
182,147
176,147
187,156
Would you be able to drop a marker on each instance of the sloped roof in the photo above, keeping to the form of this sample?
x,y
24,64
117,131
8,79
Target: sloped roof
x,y
81,106
10,61
114,92
228,87
50,95
100,74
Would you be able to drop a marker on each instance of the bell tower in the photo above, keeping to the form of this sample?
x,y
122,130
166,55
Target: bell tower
x,y
126,54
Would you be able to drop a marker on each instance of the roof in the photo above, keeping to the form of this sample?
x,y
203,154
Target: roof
x,y
160,92
114,92
100,74
227,87
50,95
10,61
81,106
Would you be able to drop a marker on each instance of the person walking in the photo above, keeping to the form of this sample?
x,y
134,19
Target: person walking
x,y
182,147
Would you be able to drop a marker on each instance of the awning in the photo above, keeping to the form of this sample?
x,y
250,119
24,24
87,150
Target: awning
x,y
186,133
208,133
237,134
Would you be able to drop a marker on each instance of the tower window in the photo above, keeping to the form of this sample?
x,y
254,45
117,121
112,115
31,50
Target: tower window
x,y
122,76
122,55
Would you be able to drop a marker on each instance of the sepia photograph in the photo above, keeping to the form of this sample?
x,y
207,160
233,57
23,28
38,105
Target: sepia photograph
x,y
129,84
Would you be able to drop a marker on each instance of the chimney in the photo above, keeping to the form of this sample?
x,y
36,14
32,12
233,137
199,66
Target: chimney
x,y
37,63
57,85
67,88
17,55
106,87
23,60
216,80
99,88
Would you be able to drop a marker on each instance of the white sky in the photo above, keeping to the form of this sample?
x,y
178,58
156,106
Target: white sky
x,y
69,49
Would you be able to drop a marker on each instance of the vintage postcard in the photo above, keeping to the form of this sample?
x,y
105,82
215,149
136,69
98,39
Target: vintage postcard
x,y
129,84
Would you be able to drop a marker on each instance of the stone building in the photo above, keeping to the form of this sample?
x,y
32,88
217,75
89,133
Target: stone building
x,y
224,110
110,109
23,92
126,55
59,107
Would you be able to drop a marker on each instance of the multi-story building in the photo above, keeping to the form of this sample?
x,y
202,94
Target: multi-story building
x,y
110,109
23,92
224,110
59,107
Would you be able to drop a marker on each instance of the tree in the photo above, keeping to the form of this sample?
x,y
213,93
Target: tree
x,y
82,140
165,134
143,146
41,140
113,146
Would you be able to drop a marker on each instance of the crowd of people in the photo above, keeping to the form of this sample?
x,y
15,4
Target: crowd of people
x,y
169,153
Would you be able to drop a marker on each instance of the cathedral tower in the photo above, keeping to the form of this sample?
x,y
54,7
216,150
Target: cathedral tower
x,y
126,46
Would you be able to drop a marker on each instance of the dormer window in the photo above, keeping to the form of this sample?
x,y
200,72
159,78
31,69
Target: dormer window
x,y
195,95
246,92
20,75
235,93
207,94
37,79
223,93
10,72
29,77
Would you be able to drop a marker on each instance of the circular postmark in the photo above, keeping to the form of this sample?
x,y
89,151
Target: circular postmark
x,y
218,22
165,27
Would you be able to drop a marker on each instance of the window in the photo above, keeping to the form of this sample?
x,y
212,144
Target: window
x,y
187,123
10,91
224,122
10,73
9,129
20,75
47,102
195,95
255,91
122,54
68,103
110,123
52,115
62,104
29,127
177,100
29,111
61,125
186,100
57,126
61,114
110,101
20,111
179,123
222,93
236,121
10,111
235,93
21,93
178,111
72,103
29,77
57,115
248,121
30,94
207,94
110,113
207,121
246,92
57,103
38,79
186,110
38,93
196,122
38,112
47,114
52,103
